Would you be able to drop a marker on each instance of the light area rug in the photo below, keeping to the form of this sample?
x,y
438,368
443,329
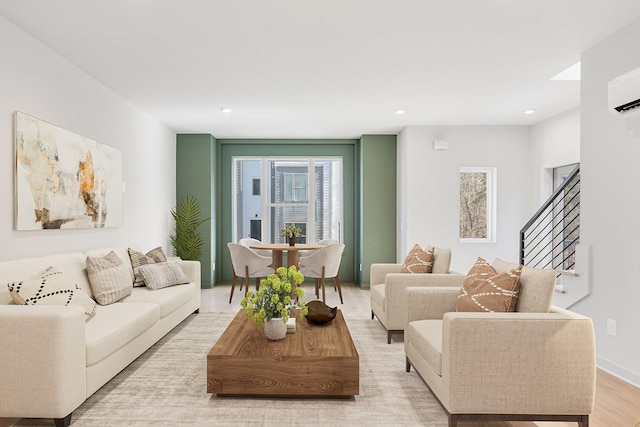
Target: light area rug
x,y
166,386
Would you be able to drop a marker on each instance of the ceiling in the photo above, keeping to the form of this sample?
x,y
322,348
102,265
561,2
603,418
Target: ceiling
x,y
328,69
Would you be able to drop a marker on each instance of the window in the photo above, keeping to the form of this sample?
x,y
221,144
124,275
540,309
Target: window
x,y
307,192
256,186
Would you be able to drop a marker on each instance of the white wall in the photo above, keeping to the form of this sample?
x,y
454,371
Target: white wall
x,y
428,179
554,142
38,82
610,204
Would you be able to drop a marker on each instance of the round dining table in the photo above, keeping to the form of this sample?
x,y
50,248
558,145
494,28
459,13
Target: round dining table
x,y
277,249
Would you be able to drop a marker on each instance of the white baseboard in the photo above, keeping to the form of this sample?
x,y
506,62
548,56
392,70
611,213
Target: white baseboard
x,y
618,371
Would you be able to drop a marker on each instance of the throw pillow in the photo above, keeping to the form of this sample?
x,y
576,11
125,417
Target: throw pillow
x,y
154,256
51,288
484,289
158,276
109,278
418,260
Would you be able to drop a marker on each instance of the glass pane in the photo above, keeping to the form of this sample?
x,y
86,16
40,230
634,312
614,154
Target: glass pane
x,y
283,215
282,180
328,199
248,203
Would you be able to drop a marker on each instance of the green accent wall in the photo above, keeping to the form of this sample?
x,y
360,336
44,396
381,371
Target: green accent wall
x,y
196,156
345,148
378,202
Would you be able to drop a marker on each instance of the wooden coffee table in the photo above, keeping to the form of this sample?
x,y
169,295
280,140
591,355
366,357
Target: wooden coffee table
x,y
314,361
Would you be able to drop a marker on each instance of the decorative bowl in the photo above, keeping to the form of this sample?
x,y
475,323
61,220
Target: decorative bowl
x,y
320,313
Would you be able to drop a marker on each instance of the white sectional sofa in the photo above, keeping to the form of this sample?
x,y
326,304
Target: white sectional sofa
x,y
53,358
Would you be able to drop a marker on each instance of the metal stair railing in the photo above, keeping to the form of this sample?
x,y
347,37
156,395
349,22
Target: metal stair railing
x,y
549,238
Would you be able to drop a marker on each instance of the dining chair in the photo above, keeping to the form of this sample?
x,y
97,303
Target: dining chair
x,y
248,242
323,242
247,264
322,264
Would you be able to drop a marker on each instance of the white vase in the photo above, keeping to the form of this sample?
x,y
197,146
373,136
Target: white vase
x,y
275,329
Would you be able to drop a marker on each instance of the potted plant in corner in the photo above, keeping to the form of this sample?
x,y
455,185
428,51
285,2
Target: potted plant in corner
x,y
278,296
187,242
291,232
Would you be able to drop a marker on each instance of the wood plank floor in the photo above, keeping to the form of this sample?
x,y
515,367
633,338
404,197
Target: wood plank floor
x,y
617,402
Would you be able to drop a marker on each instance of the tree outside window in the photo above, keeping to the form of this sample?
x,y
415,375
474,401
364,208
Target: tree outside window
x,y
477,204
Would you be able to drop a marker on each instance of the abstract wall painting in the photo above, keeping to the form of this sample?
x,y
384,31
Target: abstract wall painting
x,y
478,205
64,180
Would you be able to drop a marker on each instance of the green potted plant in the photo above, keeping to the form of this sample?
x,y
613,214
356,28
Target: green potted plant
x,y
278,295
187,242
291,232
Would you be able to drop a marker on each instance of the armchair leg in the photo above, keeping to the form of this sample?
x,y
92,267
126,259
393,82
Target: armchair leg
x,y
388,337
453,420
372,315
584,421
63,422
408,365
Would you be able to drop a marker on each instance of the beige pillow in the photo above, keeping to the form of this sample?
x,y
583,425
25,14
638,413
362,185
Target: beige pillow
x,y
51,288
158,276
418,260
109,278
154,256
486,290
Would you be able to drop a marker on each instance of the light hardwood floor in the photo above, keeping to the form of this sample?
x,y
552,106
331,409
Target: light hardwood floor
x,y
617,402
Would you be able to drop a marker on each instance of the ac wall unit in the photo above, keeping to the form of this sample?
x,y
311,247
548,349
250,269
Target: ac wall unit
x,y
624,94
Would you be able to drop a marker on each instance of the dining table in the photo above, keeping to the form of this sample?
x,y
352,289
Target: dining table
x,y
277,250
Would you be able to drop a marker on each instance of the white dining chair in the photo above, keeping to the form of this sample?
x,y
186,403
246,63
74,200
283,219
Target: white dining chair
x,y
323,264
323,242
247,264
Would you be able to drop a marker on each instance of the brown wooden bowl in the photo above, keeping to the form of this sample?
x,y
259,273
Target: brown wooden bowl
x,y
320,313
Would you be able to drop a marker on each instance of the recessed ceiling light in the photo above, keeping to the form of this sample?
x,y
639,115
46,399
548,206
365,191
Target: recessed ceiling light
x,y
399,112
530,111
225,110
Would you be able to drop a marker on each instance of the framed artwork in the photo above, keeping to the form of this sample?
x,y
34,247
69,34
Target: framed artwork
x,y
478,204
64,180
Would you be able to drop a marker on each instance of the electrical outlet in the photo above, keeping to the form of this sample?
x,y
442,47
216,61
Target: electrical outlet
x,y
612,327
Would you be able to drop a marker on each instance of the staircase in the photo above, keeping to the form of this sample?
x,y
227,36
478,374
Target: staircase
x,y
550,240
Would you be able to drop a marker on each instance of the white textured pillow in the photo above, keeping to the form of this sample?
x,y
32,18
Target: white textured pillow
x,y
157,276
109,278
51,288
154,256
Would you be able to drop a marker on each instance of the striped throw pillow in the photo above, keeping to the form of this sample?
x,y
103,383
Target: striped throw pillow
x,y
109,278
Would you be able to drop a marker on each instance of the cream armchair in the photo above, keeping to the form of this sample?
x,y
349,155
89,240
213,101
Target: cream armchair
x,y
388,288
537,364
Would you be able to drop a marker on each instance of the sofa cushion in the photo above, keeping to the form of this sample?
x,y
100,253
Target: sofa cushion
x,y
426,336
377,294
169,299
51,287
536,287
441,261
109,278
418,260
163,275
115,325
154,256
121,251
486,290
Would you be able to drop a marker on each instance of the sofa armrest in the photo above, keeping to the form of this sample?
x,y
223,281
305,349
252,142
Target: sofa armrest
x,y
431,303
378,272
396,298
192,270
43,360
535,363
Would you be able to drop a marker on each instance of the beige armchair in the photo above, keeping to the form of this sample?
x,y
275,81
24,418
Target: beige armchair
x,y
537,364
388,288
